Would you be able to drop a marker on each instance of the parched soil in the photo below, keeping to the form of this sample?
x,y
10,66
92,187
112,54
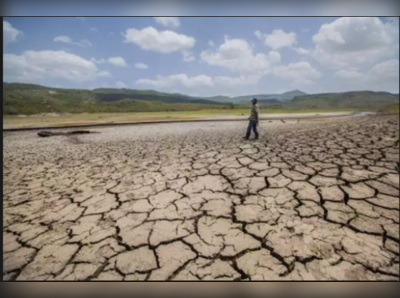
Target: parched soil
x,y
315,200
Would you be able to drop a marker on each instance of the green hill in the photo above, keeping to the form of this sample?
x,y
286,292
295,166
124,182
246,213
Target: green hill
x,y
367,100
224,99
284,97
288,96
35,99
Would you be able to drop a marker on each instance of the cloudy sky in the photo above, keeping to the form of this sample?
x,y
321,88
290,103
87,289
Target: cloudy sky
x,y
204,56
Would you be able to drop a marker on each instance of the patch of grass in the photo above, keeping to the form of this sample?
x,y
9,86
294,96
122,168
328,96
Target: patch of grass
x,y
391,109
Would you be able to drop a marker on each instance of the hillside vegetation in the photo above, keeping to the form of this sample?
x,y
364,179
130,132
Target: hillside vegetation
x,y
284,97
34,99
367,100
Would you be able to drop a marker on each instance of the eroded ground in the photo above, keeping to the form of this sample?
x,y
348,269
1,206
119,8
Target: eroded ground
x,y
309,200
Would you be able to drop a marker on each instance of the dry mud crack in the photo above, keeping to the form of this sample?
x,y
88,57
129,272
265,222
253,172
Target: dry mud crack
x,y
315,200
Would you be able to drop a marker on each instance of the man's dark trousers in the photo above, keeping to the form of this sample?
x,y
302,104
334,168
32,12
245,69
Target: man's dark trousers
x,y
252,126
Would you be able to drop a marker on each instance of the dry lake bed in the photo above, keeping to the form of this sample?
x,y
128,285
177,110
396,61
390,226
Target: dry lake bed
x,y
317,199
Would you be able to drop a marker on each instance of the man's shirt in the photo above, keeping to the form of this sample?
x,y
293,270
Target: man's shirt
x,y
254,112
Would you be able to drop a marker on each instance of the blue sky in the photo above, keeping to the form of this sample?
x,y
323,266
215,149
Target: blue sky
x,y
204,56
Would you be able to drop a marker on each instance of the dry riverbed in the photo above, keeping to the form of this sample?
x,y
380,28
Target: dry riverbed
x,y
61,120
309,200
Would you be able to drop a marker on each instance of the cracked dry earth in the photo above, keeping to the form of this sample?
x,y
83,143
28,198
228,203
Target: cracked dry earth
x,y
308,201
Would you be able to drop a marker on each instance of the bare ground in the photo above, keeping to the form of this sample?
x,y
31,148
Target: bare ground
x,y
309,200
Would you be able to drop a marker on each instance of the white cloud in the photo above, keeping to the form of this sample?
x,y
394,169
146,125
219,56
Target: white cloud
x,y
81,18
236,81
200,81
63,39
84,43
98,61
117,61
141,66
299,73
348,74
211,43
120,85
10,34
34,66
355,41
274,57
67,50
94,29
68,40
177,81
277,39
387,71
382,76
159,41
237,55
168,21
302,51
188,56
258,34
304,30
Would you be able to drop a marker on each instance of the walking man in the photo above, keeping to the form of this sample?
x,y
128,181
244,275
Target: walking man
x,y
253,123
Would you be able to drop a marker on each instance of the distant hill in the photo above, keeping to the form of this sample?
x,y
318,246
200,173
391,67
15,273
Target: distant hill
x,y
284,97
117,95
269,102
223,99
288,96
35,99
347,100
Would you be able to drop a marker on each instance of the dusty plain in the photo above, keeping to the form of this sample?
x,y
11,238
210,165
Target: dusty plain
x,y
309,200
